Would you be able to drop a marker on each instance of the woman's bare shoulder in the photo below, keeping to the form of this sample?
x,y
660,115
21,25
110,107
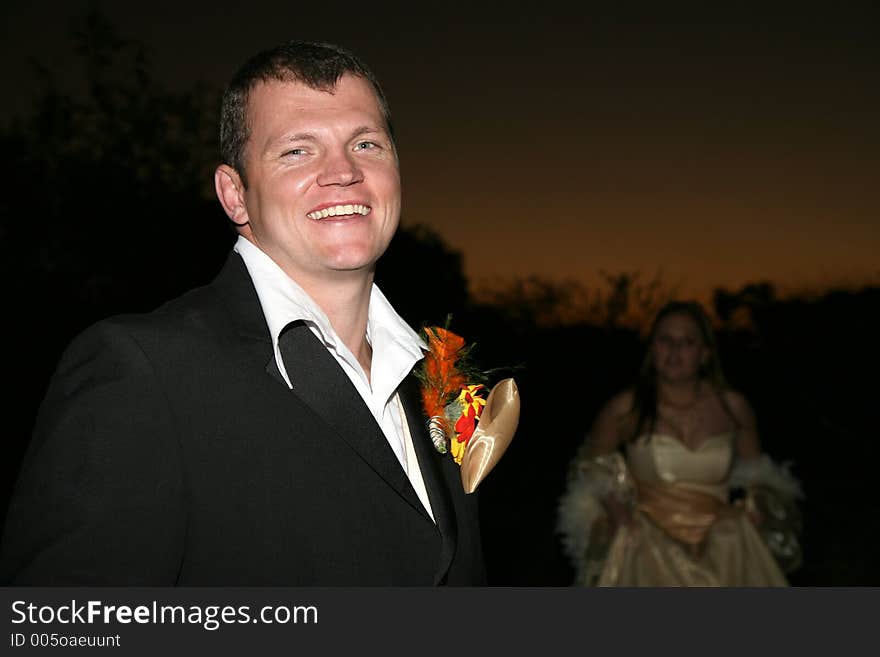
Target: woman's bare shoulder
x,y
748,443
608,428
739,405
620,404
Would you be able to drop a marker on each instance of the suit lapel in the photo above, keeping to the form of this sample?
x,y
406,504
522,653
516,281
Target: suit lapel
x,y
430,464
319,381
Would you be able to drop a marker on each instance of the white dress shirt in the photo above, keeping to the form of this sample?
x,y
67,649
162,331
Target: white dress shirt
x,y
396,348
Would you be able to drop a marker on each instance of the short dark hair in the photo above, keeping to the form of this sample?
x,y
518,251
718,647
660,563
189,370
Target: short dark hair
x,y
317,65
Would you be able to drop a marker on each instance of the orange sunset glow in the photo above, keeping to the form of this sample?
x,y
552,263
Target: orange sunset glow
x,y
712,150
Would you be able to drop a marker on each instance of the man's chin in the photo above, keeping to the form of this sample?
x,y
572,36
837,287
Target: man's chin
x,y
353,260
351,269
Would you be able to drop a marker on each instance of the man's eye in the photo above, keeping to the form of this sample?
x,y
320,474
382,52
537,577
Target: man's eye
x,y
296,151
366,145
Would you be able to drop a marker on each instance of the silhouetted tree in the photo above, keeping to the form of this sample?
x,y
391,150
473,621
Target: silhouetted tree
x,y
534,301
104,209
108,211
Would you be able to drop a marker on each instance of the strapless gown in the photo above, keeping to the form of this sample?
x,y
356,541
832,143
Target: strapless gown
x,y
732,553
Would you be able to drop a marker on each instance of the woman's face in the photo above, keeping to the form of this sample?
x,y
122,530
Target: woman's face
x,y
678,349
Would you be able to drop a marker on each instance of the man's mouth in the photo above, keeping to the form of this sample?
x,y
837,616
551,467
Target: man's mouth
x,y
340,211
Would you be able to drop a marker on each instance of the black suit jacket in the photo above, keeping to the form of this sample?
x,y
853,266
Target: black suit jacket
x,y
169,451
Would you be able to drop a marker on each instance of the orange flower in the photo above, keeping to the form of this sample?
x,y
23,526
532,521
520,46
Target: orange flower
x,y
450,403
444,344
443,380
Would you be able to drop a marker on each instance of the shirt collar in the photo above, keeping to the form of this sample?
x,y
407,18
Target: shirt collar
x,y
396,347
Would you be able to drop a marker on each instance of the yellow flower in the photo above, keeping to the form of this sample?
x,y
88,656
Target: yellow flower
x,y
468,398
458,449
471,405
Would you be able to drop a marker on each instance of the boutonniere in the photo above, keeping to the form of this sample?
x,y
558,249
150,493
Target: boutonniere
x,y
464,417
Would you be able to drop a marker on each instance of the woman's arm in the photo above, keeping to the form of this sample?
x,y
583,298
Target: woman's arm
x,y
608,430
605,437
748,445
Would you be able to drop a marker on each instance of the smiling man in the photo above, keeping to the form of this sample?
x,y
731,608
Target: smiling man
x,y
264,429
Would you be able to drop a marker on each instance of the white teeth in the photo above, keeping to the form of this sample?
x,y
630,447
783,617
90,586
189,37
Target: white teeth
x,y
338,210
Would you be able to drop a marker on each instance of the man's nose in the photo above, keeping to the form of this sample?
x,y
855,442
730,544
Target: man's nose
x,y
339,169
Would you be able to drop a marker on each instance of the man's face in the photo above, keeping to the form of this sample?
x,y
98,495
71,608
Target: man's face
x,y
323,195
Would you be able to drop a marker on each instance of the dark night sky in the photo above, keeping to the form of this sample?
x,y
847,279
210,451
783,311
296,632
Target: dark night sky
x,y
716,147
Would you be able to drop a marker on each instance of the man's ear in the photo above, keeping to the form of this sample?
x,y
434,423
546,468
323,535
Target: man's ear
x,y
230,192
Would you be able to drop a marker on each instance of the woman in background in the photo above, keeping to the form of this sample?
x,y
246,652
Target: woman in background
x,y
649,495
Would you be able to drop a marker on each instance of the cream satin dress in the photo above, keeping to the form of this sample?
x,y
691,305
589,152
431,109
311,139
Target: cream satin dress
x,y
732,554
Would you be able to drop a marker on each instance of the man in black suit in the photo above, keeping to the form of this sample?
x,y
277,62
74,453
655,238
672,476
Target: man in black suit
x,y
264,429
